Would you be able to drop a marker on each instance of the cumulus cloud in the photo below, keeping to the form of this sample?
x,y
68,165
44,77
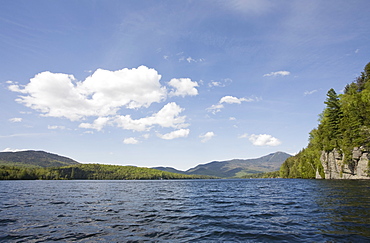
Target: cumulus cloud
x,y
167,117
181,133
206,137
15,119
278,73
264,140
130,140
183,87
104,95
98,124
229,100
101,94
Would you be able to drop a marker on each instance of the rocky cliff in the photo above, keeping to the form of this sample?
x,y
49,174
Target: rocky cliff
x,y
335,168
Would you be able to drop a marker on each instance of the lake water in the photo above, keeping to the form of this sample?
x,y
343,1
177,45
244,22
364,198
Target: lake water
x,y
251,210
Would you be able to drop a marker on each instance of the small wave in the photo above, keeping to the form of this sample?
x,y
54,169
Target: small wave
x,y
58,202
4,222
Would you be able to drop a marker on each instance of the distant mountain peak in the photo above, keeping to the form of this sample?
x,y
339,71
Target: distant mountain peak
x,y
237,167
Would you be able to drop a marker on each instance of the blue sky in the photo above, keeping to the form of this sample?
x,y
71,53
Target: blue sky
x,y
173,83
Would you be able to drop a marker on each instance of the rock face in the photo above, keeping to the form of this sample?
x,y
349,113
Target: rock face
x,y
335,168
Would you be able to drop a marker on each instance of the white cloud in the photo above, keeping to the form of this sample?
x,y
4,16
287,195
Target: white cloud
x,y
181,133
15,119
264,140
190,59
221,83
130,140
310,92
183,87
168,116
245,135
146,136
232,118
16,88
215,108
214,84
206,137
98,124
229,100
101,94
278,73
56,127
234,100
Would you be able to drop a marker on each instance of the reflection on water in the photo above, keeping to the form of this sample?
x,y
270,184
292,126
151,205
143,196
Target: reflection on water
x,y
181,211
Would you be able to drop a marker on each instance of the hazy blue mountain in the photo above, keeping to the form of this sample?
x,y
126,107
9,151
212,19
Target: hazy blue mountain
x,y
236,167
31,158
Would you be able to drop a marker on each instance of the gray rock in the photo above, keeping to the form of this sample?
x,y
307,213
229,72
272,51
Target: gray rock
x,y
335,168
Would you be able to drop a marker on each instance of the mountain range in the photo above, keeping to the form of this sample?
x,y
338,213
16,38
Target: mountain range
x,y
235,167
223,169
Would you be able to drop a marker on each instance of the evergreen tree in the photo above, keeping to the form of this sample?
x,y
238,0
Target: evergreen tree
x,y
343,125
334,115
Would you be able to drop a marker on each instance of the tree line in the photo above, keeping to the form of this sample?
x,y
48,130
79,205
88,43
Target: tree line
x,y
343,125
89,172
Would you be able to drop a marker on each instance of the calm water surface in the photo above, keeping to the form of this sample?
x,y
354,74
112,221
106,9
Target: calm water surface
x,y
255,210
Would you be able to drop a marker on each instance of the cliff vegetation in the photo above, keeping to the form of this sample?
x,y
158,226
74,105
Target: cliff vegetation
x,y
342,139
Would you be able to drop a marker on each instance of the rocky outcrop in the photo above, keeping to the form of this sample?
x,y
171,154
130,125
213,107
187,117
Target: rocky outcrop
x,y
335,168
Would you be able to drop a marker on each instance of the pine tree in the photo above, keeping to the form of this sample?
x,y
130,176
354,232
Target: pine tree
x,y
333,116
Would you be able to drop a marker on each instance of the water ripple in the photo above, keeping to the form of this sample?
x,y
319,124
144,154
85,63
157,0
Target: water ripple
x,y
183,211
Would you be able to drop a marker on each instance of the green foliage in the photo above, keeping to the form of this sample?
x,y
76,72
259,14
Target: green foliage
x,y
331,123
273,174
303,165
343,125
89,172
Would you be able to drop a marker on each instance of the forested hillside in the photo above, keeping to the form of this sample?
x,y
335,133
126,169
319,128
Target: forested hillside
x,y
343,125
89,172
237,168
40,165
31,158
